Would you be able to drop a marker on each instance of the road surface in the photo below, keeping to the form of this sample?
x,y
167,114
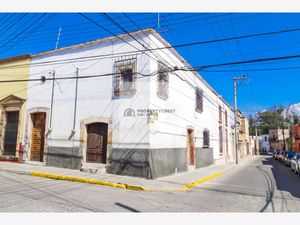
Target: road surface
x,y
260,185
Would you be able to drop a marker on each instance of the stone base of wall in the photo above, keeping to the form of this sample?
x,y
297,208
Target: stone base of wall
x,y
64,157
204,157
155,163
146,163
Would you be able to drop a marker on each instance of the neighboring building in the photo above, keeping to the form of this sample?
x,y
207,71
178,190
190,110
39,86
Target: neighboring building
x,y
12,104
277,139
296,138
244,138
256,145
136,118
265,144
253,145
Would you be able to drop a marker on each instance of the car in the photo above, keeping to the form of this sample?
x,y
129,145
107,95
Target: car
x,y
270,153
288,157
263,153
284,156
295,163
281,155
276,154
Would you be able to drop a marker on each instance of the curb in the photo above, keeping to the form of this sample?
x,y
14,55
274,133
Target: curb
x,y
89,181
109,183
201,180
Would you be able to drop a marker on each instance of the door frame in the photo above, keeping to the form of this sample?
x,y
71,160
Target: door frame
x,y
9,104
28,135
188,149
83,138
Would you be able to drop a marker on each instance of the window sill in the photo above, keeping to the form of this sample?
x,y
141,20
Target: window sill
x,y
199,111
163,97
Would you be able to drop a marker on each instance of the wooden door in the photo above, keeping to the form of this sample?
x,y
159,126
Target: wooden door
x,y
38,136
96,142
11,133
191,147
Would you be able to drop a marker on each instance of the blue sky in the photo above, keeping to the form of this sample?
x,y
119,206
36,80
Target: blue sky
x,y
263,90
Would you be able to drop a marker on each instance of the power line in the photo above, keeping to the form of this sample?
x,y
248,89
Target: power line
x,y
194,43
253,70
43,79
33,30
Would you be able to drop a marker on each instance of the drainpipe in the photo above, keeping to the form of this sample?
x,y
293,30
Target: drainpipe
x,y
52,99
75,106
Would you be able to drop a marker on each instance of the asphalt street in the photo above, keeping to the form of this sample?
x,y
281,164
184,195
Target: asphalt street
x,y
259,185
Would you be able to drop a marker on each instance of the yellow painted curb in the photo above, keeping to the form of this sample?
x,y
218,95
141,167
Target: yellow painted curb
x,y
193,184
89,181
120,185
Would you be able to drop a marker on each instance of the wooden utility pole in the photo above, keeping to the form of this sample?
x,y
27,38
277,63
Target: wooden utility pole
x,y
235,79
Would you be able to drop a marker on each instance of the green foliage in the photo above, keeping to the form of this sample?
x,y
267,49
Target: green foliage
x,y
269,119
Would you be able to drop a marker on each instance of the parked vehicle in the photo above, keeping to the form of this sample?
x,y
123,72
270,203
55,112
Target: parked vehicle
x,y
288,157
295,163
281,155
270,153
276,154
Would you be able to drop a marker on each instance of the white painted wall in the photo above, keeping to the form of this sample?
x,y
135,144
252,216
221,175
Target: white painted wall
x,y
265,144
169,130
95,96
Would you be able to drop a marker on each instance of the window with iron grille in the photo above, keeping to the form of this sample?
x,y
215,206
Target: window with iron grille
x,y
125,77
220,114
221,140
226,118
206,139
199,100
162,82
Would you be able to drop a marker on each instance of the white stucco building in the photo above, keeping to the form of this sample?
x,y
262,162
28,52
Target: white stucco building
x,y
137,114
265,144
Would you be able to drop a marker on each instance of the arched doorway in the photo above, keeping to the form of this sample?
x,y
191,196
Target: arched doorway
x,y
96,150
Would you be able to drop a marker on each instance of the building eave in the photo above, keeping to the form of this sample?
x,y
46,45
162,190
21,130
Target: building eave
x,y
15,58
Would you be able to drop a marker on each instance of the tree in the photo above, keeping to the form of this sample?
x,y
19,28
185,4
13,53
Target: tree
x,y
252,122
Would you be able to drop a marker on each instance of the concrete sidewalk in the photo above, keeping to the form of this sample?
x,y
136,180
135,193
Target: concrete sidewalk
x,y
177,182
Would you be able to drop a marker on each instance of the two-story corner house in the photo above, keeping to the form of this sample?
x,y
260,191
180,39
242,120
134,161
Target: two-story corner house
x,y
278,139
124,107
13,97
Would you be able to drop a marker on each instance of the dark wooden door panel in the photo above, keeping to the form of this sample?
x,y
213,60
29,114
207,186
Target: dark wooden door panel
x,y
97,142
11,133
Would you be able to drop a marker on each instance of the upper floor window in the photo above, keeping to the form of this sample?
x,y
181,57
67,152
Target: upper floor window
x,y
221,140
199,100
125,77
162,81
220,114
226,118
206,139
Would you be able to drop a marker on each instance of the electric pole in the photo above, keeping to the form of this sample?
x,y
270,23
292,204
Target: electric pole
x,y
57,40
235,79
158,22
256,140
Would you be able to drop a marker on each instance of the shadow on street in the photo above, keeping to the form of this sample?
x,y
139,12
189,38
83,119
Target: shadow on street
x,y
285,179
